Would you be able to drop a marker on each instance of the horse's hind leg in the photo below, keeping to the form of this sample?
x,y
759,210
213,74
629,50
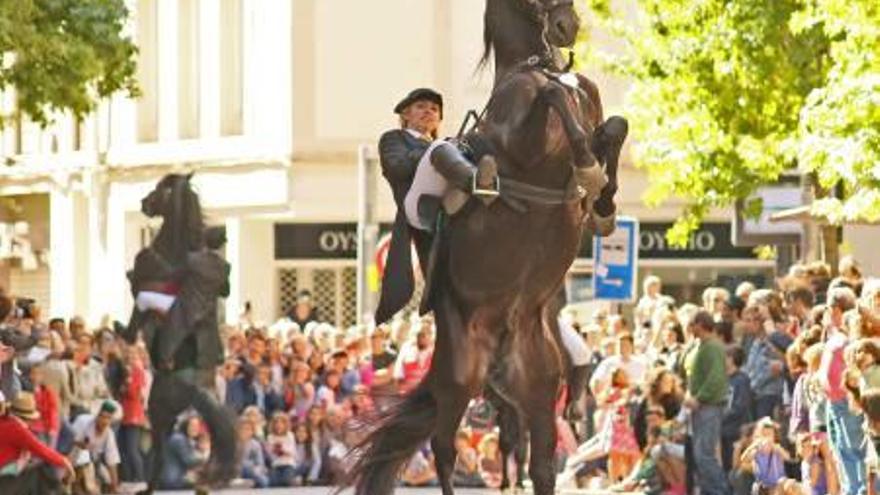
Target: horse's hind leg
x,y
506,439
458,369
520,453
443,442
164,407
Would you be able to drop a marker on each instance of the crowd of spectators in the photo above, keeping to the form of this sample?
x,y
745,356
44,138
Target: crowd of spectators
x,y
782,382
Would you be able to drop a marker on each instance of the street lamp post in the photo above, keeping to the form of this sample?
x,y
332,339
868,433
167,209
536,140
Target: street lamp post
x,y
368,230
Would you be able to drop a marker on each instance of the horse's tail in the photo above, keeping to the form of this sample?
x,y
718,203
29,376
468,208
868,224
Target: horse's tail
x,y
221,425
400,432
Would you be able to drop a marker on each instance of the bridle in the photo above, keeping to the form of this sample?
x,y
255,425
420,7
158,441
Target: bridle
x,y
539,10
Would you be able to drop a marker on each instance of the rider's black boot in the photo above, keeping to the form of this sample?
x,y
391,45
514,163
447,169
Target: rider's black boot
x,y
481,181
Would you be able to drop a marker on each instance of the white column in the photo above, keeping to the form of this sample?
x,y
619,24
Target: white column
x,y
148,70
118,300
267,74
62,249
100,273
168,66
209,69
233,256
232,19
188,63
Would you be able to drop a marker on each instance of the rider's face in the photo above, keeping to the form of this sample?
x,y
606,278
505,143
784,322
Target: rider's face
x,y
422,116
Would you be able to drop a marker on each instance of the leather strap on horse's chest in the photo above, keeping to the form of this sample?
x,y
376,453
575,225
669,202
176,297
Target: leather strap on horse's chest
x,y
516,193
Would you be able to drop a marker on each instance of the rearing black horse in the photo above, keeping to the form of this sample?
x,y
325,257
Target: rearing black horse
x,y
505,263
184,344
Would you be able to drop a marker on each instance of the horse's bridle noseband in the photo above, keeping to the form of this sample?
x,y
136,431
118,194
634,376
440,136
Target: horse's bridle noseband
x,y
539,10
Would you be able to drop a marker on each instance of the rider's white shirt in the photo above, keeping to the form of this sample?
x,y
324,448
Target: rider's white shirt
x,y
426,181
635,368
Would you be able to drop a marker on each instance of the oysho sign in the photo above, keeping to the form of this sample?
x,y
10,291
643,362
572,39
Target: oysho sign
x,y
316,241
337,241
655,240
711,240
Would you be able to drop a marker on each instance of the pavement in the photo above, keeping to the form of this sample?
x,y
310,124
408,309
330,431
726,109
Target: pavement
x,y
400,491
328,490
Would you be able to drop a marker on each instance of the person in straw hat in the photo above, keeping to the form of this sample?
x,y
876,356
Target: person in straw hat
x,y
16,441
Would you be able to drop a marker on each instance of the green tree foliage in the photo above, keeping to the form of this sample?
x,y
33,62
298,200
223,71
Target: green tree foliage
x,y
726,95
64,55
839,138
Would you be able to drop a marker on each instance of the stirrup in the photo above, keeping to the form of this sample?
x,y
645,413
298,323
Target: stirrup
x,y
486,193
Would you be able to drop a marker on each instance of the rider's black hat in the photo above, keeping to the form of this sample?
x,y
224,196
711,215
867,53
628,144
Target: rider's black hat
x,y
418,95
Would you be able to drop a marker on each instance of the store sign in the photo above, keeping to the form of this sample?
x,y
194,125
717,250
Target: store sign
x,y
317,240
339,241
615,269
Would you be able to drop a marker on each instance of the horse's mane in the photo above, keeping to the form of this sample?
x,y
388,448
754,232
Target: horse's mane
x,y
488,37
496,9
183,225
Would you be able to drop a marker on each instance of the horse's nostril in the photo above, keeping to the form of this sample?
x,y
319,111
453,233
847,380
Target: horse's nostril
x,y
561,28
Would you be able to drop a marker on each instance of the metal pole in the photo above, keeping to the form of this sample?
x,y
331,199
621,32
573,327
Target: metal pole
x,y
368,230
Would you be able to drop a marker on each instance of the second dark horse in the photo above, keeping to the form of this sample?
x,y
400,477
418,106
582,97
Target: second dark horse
x,y
504,264
184,345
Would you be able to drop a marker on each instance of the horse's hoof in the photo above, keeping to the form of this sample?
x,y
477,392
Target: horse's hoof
x,y
600,225
591,180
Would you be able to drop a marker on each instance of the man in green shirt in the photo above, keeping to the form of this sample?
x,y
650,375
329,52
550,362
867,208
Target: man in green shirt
x,y
706,397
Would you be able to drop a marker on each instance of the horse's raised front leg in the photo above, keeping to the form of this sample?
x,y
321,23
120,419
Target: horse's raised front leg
x,y
607,143
589,176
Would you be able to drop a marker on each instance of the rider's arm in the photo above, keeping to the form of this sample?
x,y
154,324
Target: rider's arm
x,y
398,160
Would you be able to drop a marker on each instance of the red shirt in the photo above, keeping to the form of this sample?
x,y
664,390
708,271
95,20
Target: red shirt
x,y
47,405
132,401
15,438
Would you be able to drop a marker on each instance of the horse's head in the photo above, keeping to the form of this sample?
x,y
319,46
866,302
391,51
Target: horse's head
x,y
559,18
169,190
518,29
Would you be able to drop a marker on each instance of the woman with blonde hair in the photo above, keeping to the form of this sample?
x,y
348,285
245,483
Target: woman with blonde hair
x,y
281,447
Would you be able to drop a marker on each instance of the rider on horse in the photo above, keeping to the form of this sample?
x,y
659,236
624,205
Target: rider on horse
x,y
425,175
182,271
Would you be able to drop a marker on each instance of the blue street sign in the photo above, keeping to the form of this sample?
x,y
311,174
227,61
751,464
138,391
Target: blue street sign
x,y
616,261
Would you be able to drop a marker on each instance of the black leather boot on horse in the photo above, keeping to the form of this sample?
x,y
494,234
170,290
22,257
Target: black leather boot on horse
x,y
502,266
182,335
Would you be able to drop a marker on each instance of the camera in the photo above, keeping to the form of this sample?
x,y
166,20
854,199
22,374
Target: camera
x,y
24,307
11,338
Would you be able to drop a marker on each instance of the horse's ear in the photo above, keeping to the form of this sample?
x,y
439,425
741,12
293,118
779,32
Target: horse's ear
x,y
189,176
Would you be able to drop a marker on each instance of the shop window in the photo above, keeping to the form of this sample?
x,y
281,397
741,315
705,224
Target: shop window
x,y
334,291
324,293
348,304
287,288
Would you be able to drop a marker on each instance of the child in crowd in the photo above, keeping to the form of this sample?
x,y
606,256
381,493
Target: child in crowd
x,y
281,447
467,465
623,451
813,473
767,457
307,456
739,404
491,463
253,462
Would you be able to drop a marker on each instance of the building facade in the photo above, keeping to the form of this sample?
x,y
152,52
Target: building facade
x,y
268,102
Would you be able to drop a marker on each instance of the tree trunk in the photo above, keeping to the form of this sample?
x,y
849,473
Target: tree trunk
x,y
826,235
